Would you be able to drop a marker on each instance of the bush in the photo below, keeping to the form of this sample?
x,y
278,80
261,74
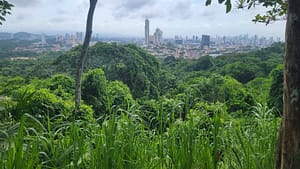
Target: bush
x,y
40,103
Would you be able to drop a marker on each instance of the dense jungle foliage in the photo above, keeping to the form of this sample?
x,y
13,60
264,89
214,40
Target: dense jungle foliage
x,y
139,111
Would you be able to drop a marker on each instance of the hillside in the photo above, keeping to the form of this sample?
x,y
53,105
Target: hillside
x,y
127,63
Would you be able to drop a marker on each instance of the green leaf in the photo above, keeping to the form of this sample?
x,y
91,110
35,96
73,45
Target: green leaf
x,y
228,6
221,1
208,2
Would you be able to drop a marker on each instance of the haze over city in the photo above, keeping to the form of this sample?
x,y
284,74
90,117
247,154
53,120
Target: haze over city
x,y
126,18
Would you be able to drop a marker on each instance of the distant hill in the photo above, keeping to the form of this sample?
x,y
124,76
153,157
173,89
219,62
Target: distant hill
x,y
5,35
26,36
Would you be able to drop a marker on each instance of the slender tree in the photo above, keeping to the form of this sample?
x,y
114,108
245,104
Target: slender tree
x,y
83,53
288,147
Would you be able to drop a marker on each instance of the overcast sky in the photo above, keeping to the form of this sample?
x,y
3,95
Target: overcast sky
x,y
127,18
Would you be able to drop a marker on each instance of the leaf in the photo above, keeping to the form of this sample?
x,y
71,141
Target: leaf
x,y
208,2
221,1
228,6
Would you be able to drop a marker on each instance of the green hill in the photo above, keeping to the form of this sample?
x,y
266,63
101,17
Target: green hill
x,y
127,63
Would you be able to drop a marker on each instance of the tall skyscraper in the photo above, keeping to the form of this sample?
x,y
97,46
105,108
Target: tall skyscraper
x,y
157,36
79,37
205,42
147,32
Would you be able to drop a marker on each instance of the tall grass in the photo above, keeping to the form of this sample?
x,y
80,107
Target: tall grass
x,y
124,142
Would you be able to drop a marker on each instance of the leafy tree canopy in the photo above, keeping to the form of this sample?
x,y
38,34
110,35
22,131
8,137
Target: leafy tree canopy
x,y
276,8
127,63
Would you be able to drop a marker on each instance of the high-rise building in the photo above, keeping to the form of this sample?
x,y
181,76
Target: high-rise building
x,y
205,41
157,36
59,38
147,32
79,37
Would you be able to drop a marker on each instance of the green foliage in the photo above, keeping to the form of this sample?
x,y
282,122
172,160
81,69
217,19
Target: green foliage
x,y
21,104
5,8
8,48
159,114
278,8
37,65
61,85
207,110
242,72
167,83
44,103
202,63
94,85
4,112
275,98
259,88
127,63
40,103
201,142
119,95
10,84
105,96
220,89
262,112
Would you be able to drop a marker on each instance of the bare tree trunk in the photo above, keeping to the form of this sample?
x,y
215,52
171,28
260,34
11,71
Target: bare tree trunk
x,y
83,53
290,143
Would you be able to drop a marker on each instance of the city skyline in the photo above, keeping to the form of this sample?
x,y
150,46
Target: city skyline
x,y
177,17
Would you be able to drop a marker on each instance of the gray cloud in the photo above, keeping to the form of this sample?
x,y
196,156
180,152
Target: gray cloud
x,y
61,12
133,8
24,3
151,15
207,13
133,5
181,10
58,20
20,17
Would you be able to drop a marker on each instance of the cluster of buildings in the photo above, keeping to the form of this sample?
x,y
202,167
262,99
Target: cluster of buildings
x,y
42,42
204,42
197,46
70,39
155,39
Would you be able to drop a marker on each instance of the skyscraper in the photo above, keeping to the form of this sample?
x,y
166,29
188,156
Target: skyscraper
x,y
79,37
147,32
205,42
157,36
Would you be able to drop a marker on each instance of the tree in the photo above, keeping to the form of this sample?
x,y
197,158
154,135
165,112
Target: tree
x,y
288,148
276,89
83,53
119,95
240,71
94,88
290,131
5,8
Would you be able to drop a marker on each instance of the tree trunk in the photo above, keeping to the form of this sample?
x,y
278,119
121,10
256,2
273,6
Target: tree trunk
x,y
290,141
83,53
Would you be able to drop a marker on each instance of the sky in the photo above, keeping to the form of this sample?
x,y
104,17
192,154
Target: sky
x,y
127,18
